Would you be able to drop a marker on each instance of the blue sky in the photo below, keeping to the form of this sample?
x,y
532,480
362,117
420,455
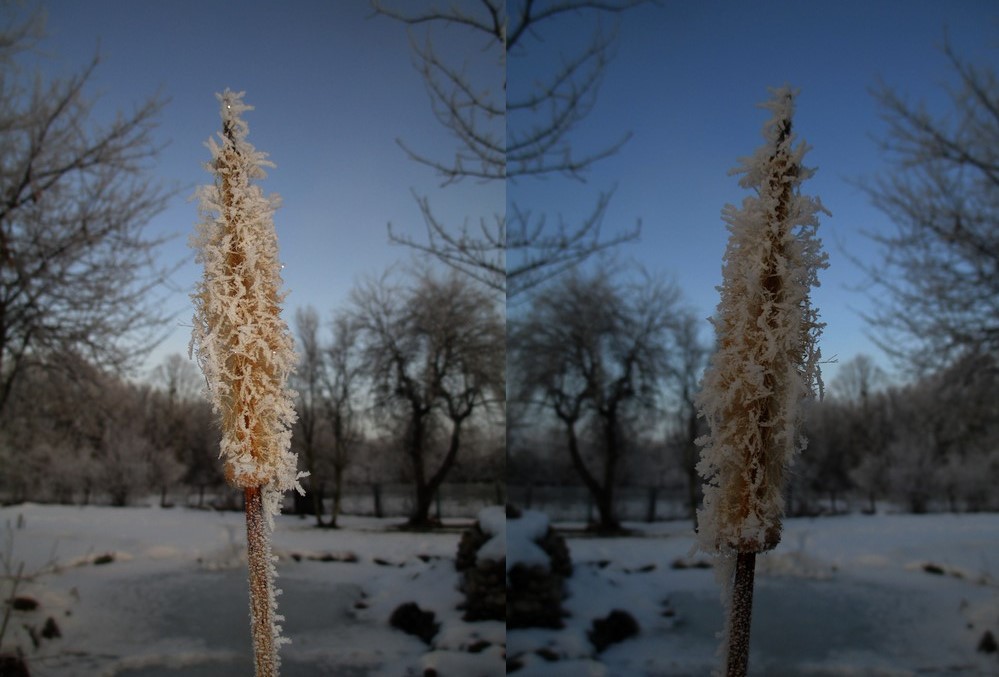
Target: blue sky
x,y
334,89
686,81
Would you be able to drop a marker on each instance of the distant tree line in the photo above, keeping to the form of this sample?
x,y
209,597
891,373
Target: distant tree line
x,y
73,433
405,386
929,445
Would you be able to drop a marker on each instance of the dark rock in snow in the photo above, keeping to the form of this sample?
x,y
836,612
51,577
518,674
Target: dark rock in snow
x,y
933,569
479,647
51,629
616,627
13,666
548,654
104,559
988,643
413,620
24,603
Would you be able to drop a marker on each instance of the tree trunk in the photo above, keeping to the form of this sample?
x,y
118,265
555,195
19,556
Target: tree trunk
x,y
376,490
316,494
426,491
605,506
419,517
602,496
337,496
650,513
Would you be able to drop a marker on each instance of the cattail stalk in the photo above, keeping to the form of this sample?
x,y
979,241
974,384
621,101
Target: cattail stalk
x,y
766,364
246,353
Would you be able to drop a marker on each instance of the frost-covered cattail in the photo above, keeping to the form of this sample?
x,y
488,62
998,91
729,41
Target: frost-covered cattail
x,y
766,362
246,350
765,365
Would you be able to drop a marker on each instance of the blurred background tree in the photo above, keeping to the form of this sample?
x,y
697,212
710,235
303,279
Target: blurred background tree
x,y
508,131
78,274
937,285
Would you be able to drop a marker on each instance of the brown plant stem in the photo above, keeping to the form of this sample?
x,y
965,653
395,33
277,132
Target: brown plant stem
x,y
740,615
258,556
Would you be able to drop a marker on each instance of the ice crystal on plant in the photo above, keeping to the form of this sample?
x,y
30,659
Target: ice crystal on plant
x,y
767,357
243,346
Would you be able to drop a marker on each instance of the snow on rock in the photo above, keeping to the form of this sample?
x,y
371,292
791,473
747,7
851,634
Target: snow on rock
x,y
522,536
492,522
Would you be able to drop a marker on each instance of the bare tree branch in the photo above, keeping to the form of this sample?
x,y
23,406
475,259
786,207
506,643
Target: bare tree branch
x,y
77,271
503,135
937,287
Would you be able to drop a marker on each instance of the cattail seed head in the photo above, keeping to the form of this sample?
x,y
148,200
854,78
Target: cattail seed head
x,y
767,357
243,346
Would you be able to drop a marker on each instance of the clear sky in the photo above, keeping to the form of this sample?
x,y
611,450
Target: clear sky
x,y
686,80
334,88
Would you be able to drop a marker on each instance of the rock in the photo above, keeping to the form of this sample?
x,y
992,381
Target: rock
x,y
988,643
24,603
534,598
616,627
104,559
413,620
51,629
468,548
13,666
484,586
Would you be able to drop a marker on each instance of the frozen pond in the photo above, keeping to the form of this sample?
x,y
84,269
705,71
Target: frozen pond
x,y
806,627
209,610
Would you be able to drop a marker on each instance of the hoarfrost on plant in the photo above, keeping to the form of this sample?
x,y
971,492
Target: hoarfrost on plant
x,y
766,361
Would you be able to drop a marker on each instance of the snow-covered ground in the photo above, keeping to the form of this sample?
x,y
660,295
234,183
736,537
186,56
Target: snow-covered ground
x,y
841,596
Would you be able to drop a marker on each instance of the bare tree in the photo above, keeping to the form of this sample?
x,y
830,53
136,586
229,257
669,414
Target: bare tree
x,y
435,352
858,379
691,359
937,287
595,351
76,268
340,379
308,383
179,378
510,132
